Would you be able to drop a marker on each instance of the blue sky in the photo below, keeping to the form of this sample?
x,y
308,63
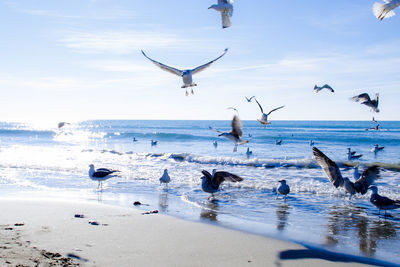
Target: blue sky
x,y
80,59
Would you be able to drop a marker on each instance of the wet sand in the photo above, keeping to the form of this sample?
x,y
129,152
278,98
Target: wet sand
x,y
48,232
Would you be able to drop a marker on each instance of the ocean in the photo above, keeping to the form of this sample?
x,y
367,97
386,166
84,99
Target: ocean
x,y
47,162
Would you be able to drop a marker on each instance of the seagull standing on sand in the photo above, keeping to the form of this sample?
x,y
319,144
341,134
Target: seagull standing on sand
x,y
381,202
264,118
235,134
382,10
283,189
352,154
226,9
185,74
317,88
332,171
101,174
366,100
165,178
249,99
211,182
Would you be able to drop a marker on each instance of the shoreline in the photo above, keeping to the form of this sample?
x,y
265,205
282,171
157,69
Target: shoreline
x,y
109,235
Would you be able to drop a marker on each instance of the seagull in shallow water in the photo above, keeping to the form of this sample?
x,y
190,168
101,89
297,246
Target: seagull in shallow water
x,y
352,154
101,174
317,88
249,99
356,173
235,134
211,182
278,142
165,178
382,10
185,74
283,189
264,118
215,144
366,100
332,171
381,202
153,142
226,9
249,152
377,148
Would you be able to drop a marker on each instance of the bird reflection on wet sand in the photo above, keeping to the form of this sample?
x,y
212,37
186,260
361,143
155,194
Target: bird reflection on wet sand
x,y
282,212
210,211
163,200
349,221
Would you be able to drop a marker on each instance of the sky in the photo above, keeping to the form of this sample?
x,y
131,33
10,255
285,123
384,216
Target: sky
x,y
69,60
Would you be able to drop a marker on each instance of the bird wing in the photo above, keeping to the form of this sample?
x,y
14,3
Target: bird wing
x,y
274,110
221,176
362,97
367,178
262,111
203,67
215,130
331,169
328,87
353,153
226,19
101,173
207,175
236,127
165,67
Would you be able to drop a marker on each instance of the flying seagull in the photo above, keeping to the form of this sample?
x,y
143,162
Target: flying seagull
x,y
366,100
264,118
332,171
226,9
185,74
235,134
235,109
165,178
382,10
210,183
317,88
381,202
101,174
249,99
283,189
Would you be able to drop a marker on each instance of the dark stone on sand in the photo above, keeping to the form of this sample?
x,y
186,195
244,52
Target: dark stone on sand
x,y
150,212
137,203
94,223
79,216
9,228
19,224
74,256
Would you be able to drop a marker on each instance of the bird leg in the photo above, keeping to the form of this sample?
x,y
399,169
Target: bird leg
x,y
192,92
235,148
186,93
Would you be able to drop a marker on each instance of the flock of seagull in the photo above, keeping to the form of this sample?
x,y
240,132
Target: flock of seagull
x,y
211,182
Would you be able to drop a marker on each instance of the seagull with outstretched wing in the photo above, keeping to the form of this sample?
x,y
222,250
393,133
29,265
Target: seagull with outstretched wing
x,y
326,86
332,171
211,182
235,134
366,100
249,99
264,118
185,74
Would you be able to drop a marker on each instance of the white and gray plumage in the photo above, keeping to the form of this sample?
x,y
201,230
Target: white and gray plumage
x,y
332,171
352,154
165,177
385,10
264,118
101,174
381,202
211,182
249,99
185,74
235,134
226,9
282,189
326,86
366,100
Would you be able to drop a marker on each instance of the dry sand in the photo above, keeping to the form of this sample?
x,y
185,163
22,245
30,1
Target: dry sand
x,y
37,232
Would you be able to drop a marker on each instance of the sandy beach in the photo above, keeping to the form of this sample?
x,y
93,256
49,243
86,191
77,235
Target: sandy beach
x,y
49,232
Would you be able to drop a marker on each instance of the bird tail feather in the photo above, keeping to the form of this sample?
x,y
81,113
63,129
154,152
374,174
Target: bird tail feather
x,y
380,11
